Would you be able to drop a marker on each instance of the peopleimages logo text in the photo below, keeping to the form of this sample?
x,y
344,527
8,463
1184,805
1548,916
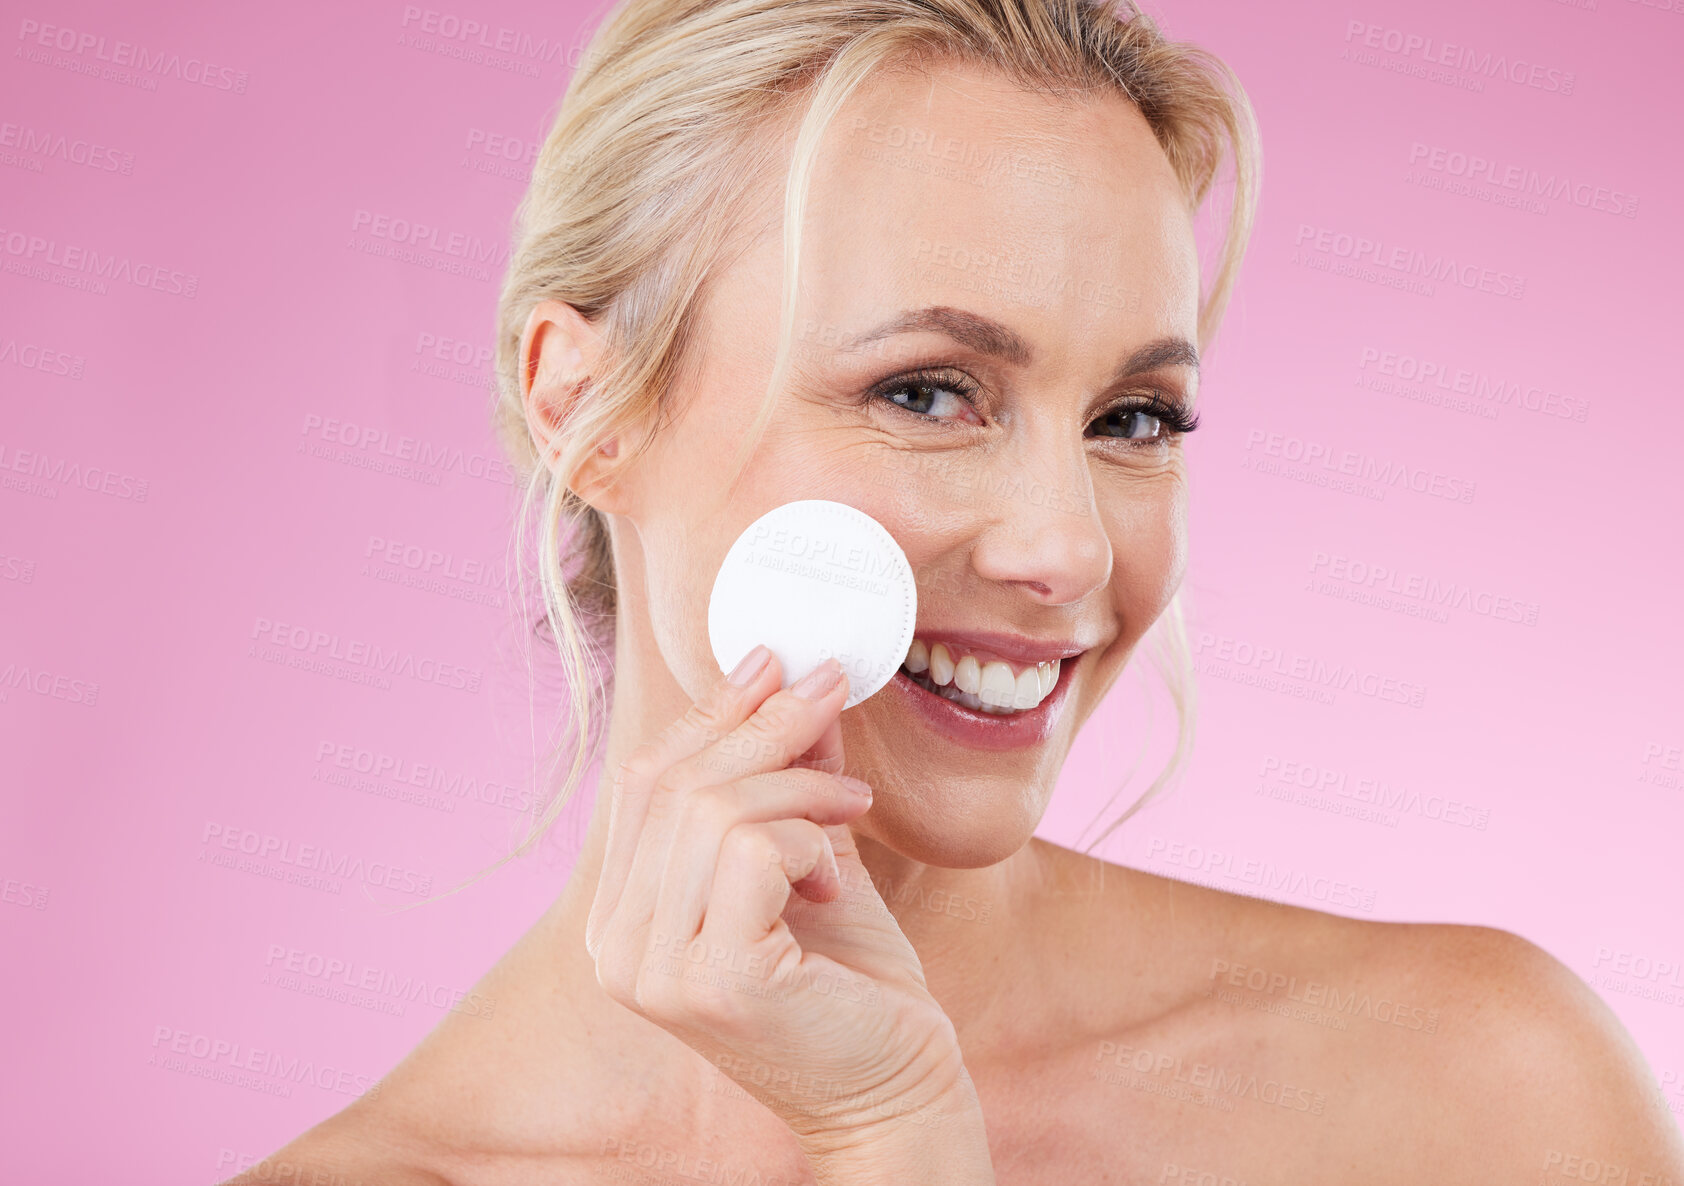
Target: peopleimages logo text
x,y
78,257
380,442
137,57
420,234
1363,466
1460,57
1409,260
1471,166
451,27
326,647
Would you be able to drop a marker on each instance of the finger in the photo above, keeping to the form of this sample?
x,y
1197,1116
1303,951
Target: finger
x,y
759,864
826,753
725,706
856,929
709,814
785,725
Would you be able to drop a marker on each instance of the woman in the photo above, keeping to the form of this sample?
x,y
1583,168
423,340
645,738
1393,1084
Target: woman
x,y
802,945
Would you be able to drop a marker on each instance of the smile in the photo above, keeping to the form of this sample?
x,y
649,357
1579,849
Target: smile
x,y
988,685
986,691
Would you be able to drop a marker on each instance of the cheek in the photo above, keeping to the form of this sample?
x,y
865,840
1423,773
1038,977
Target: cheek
x,y
680,561
690,520
1148,532
682,528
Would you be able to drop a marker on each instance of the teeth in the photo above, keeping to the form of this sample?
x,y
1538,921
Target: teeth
x,y
990,686
998,688
1026,688
941,665
967,675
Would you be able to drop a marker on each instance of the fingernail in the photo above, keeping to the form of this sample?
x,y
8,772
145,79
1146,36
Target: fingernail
x,y
817,682
749,666
858,786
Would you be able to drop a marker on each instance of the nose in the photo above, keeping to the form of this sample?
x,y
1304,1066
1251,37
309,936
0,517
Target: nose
x,y
1045,535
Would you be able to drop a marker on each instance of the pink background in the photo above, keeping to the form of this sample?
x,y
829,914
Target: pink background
x,y
1536,783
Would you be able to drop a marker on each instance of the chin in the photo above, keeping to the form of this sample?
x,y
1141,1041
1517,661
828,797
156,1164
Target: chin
x,y
966,824
944,805
961,784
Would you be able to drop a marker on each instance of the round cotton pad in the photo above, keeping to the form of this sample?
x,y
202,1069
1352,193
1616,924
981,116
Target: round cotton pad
x,y
815,580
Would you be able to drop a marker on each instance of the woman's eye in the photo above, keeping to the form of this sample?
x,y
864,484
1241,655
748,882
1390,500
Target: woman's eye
x,y
938,401
1135,424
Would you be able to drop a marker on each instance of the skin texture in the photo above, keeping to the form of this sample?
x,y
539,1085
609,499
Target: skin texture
x,y
1104,1013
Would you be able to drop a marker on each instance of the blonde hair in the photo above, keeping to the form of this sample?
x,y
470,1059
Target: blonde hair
x,y
653,155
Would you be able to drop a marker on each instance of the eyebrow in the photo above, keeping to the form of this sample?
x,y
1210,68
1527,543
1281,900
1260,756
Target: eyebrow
x,y
987,336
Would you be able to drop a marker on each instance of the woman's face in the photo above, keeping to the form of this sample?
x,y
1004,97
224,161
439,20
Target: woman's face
x,y
994,285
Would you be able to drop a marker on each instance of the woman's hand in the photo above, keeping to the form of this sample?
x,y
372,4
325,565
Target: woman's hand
x,y
814,1004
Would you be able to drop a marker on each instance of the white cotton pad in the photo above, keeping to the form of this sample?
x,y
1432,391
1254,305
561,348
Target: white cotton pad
x,y
815,580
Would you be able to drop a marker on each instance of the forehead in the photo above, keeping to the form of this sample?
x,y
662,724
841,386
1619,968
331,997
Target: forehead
x,y
949,184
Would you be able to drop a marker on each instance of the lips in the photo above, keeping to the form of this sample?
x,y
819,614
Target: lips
x,y
1013,648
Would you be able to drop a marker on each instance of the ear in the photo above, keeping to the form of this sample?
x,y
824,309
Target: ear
x,y
559,350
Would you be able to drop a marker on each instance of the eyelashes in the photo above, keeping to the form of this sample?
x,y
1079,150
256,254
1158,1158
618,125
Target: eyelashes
x,y
1175,418
916,392
923,387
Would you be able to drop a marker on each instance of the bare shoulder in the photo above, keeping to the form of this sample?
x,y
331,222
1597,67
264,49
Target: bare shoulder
x,y
1427,1051
1536,1069
356,1146
422,1126
478,1101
